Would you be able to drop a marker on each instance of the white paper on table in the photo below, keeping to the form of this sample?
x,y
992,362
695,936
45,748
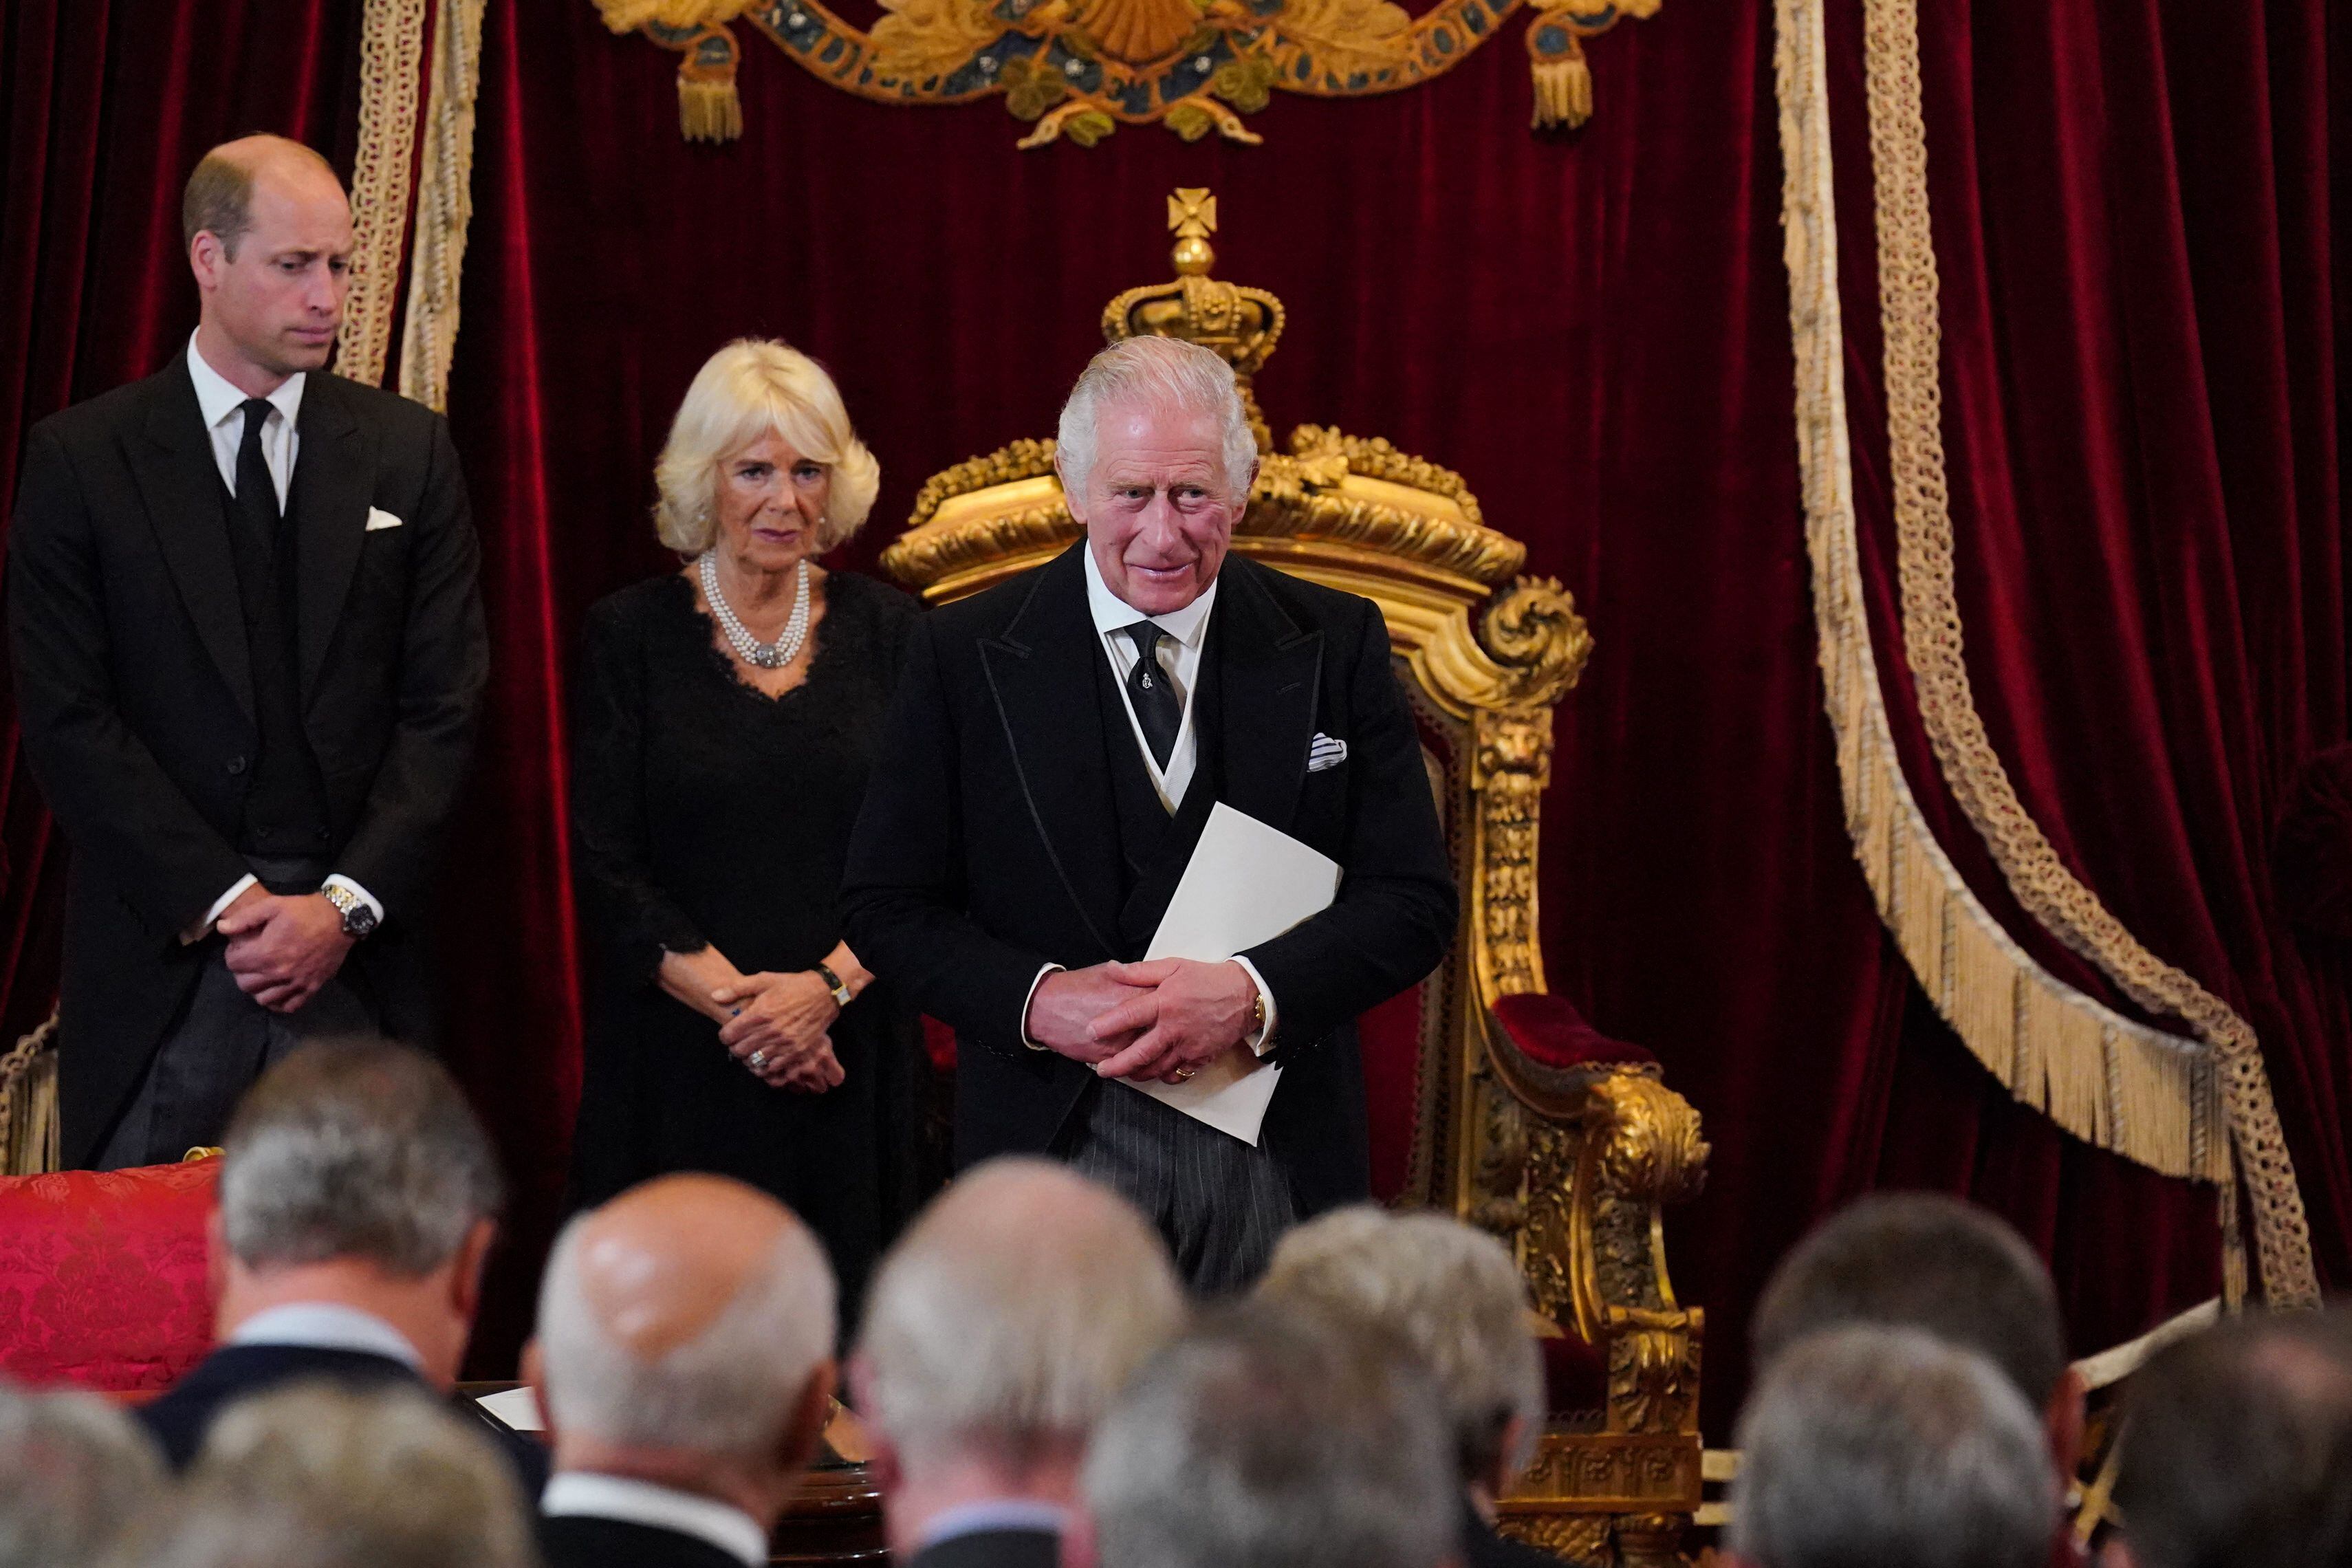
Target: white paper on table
x,y
1246,884
517,1407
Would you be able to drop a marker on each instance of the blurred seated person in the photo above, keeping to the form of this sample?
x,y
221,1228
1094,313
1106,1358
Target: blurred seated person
x,y
1927,1261
2236,1448
1867,1446
75,1473
685,1364
357,1196
1451,1295
1000,1328
320,1477
724,720
1270,1437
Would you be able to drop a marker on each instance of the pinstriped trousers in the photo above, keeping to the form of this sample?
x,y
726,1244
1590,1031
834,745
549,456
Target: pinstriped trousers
x,y
1220,1204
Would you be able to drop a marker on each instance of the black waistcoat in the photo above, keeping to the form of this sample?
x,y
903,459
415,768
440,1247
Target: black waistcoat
x,y
286,802
1154,844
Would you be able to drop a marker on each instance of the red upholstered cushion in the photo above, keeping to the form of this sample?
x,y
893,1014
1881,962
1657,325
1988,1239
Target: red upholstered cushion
x,y
1574,1378
102,1276
1548,1030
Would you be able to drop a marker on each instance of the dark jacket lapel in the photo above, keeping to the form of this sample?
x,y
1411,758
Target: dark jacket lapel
x,y
333,479
181,484
1272,670
1039,672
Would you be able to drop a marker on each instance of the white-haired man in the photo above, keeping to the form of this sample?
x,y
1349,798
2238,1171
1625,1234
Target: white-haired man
x,y
999,1329
684,1362
1054,749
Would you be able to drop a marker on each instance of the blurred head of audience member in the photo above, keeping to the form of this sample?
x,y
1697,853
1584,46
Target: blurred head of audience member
x,y
684,1362
319,1477
997,1332
2236,1448
1864,1447
1266,1437
75,1473
1932,1262
1450,1295
357,1179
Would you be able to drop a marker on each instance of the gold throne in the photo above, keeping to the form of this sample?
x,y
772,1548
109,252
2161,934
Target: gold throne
x,y
1490,1099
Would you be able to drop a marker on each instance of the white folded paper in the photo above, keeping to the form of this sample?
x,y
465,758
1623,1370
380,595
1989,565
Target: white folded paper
x,y
1246,884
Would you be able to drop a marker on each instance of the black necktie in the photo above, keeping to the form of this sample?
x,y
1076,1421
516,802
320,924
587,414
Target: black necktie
x,y
256,492
1150,689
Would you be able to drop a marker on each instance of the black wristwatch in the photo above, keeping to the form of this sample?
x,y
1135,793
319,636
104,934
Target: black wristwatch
x,y
359,915
842,995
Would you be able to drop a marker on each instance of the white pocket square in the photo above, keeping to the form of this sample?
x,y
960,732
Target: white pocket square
x,y
379,518
1323,751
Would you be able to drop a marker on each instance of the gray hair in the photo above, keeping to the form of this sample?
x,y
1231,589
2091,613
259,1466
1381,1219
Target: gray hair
x,y
1450,1293
1011,1312
1926,1261
1867,1445
1155,372
1263,1439
2237,1447
355,1149
729,1392
319,1477
74,1473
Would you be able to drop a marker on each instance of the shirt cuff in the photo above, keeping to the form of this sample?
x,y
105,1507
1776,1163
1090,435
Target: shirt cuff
x,y
1048,969
203,927
1262,1041
375,909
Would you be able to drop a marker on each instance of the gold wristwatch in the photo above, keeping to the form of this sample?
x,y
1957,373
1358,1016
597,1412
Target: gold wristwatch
x,y
358,920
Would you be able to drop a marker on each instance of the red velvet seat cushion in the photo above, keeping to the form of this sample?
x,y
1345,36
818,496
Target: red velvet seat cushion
x,y
1550,1031
1575,1380
102,1276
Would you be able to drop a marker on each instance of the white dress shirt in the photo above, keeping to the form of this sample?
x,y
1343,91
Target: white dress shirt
x,y
587,1495
328,1326
1179,663
223,406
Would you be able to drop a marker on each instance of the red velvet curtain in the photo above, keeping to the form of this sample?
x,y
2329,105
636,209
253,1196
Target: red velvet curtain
x,y
1592,327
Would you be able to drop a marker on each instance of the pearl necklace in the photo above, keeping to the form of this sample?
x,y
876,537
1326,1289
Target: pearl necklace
x,y
750,650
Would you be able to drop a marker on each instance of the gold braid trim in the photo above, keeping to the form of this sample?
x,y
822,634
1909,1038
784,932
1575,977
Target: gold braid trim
x,y
2052,1046
2144,1094
391,50
29,1102
444,205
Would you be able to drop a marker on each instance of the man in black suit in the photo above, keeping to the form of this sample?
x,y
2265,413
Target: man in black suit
x,y
1055,747
684,1364
358,1198
249,654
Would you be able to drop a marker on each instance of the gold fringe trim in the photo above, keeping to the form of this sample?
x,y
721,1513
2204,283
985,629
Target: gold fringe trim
x,y
392,53
2105,1078
1563,87
709,109
445,205
2135,1101
29,1125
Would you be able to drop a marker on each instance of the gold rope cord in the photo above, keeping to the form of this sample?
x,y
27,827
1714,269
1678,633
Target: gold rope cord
x,y
392,48
445,203
2034,1033
2143,1079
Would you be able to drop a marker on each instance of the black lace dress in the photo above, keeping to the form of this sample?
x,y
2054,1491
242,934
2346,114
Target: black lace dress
x,y
707,811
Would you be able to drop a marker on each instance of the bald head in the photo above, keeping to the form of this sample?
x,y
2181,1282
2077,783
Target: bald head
x,y
1012,1311
268,236
689,1313
220,194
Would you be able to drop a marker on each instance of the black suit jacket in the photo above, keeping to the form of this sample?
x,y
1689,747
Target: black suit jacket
x,y
989,843
993,1548
180,1417
135,693
579,1541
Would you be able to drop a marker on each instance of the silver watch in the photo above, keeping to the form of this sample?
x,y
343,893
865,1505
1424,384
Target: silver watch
x,y
359,915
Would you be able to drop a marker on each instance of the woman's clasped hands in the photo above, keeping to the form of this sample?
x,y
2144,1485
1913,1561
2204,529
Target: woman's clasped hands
x,y
778,1027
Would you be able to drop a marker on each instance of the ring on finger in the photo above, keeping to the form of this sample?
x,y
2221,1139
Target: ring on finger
x,y
1184,1075
758,1058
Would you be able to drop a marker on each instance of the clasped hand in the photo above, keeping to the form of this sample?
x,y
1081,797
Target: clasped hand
x,y
784,1018
282,948
1163,1019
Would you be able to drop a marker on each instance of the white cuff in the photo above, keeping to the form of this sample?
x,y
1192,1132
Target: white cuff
x,y
203,927
363,896
1049,969
1262,1041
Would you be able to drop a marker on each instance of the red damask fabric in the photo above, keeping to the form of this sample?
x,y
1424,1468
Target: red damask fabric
x,y
102,1276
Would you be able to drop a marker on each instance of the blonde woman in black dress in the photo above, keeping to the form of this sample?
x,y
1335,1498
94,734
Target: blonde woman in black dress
x,y
725,716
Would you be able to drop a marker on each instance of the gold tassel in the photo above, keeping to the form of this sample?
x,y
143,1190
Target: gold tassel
x,y
709,109
1563,90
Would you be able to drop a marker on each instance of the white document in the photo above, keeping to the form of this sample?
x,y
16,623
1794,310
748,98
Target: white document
x,y
1246,884
517,1407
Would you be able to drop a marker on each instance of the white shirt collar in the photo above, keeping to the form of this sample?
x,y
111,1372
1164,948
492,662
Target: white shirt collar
x,y
1187,626
995,1515
586,1494
219,399
327,1326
